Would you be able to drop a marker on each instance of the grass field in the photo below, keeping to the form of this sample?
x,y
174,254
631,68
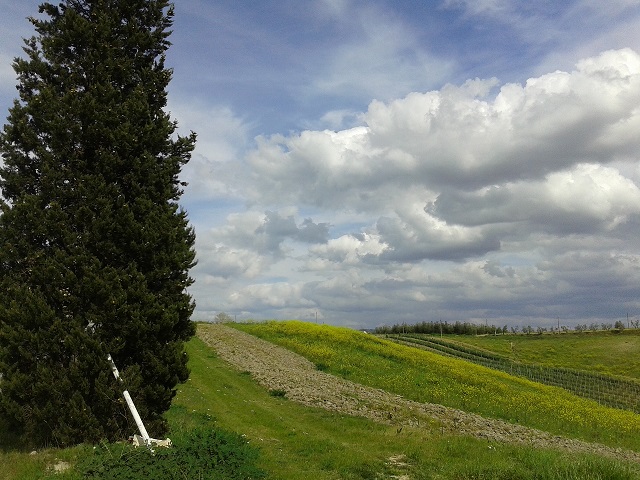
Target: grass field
x,y
301,443
605,352
428,377
297,442
607,389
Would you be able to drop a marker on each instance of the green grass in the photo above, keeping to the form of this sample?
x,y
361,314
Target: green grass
x,y
201,452
17,465
606,389
297,442
428,377
605,352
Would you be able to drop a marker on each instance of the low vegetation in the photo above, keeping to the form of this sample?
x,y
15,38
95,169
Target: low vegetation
x,y
202,453
200,450
428,377
285,440
608,352
612,391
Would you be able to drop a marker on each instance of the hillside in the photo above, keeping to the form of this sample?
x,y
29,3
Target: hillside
x,y
350,406
581,378
604,352
300,380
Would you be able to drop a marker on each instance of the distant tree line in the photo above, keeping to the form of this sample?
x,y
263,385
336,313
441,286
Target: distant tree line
x,y
457,328
467,328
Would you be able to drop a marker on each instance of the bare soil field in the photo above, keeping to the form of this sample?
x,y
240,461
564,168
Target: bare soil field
x,y
276,368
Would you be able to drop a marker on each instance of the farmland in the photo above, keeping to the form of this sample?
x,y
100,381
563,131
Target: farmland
x,y
610,390
603,352
353,408
425,376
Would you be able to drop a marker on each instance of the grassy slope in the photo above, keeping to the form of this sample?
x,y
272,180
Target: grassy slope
x,y
604,352
428,377
301,443
298,442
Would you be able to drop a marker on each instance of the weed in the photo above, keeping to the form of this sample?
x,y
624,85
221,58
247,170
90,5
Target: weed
x,y
203,453
323,367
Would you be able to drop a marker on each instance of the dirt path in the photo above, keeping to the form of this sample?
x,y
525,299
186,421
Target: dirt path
x,y
277,368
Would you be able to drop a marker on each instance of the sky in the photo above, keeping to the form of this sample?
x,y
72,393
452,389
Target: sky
x,y
366,163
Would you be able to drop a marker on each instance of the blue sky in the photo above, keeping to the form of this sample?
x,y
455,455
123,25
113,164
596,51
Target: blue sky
x,y
374,162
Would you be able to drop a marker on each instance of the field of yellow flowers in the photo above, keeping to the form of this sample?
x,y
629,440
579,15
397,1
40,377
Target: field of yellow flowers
x,y
428,377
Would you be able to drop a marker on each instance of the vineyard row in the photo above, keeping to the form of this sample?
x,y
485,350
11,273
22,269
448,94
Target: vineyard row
x,y
605,389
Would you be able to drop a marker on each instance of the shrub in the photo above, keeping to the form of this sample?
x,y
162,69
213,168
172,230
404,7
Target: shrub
x,y
323,367
204,453
278,393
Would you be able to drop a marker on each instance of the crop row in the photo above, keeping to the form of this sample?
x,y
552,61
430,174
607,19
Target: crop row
x,y
605,389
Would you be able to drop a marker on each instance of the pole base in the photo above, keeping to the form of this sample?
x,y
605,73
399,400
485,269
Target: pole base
x,y
138,441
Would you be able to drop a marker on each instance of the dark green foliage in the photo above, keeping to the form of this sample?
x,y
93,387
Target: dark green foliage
x,y
205,453
95,251
278,392
446,328
323,367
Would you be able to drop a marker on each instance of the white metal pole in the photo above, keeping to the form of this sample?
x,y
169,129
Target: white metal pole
x,y
136,417
130,404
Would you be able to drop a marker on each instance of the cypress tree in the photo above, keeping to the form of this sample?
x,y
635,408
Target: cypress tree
x,y
95,250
